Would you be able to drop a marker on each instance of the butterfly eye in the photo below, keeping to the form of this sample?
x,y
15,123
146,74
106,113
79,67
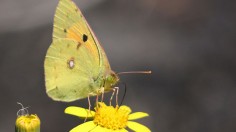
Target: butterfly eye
x,y
71,63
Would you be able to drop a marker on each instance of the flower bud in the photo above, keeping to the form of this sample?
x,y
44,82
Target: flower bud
x,y
27,123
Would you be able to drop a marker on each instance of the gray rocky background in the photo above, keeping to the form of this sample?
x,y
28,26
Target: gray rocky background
x,y
188,44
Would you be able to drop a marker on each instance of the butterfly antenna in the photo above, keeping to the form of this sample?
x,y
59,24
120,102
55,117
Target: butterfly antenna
x,y
124,94
135,72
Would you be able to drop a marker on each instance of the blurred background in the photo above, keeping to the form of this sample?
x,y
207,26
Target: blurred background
x,y
188,44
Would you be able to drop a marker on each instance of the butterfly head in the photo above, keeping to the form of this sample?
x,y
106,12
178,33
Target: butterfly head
x,y
111,80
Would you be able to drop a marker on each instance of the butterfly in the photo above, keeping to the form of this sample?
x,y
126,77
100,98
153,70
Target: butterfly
x,y
75,65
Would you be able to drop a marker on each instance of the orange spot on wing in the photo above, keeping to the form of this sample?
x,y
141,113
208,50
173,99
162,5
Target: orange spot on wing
x,y
77,34
72,34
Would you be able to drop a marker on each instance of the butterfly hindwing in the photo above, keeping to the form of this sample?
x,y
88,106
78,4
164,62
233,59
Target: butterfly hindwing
x,y
69,71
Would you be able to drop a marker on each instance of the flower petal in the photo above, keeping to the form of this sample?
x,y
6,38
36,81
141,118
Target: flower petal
x,y
137,115
122,130
85,127
80,112
125,108
137,127
102,129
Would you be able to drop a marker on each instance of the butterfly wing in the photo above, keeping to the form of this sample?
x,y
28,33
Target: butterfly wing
x,y
75,61
69,71
69,22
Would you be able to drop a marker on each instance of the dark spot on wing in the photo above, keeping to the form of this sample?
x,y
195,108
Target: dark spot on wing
x,y
85,37
65,31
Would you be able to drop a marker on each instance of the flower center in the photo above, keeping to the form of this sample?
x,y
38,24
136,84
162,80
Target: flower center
x,y
111,117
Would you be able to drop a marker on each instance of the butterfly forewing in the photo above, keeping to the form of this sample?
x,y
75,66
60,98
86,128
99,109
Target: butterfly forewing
x,y
70,23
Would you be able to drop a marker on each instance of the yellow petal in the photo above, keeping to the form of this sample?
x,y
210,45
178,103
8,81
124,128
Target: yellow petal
x,y
122,130
125,108
137,115
80,112
102,129
85,127
137,127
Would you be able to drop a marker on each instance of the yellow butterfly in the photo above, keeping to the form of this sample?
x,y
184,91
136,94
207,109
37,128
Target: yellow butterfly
x,y
75,64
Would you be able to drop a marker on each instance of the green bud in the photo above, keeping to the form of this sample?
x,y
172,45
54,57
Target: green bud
x,y
27,123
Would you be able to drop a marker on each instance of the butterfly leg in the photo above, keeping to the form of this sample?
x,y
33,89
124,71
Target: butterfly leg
x,y
89,110
97,100
102,91
117,92
115,89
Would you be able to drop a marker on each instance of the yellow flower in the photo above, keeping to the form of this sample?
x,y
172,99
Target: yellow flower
x,y
107,119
